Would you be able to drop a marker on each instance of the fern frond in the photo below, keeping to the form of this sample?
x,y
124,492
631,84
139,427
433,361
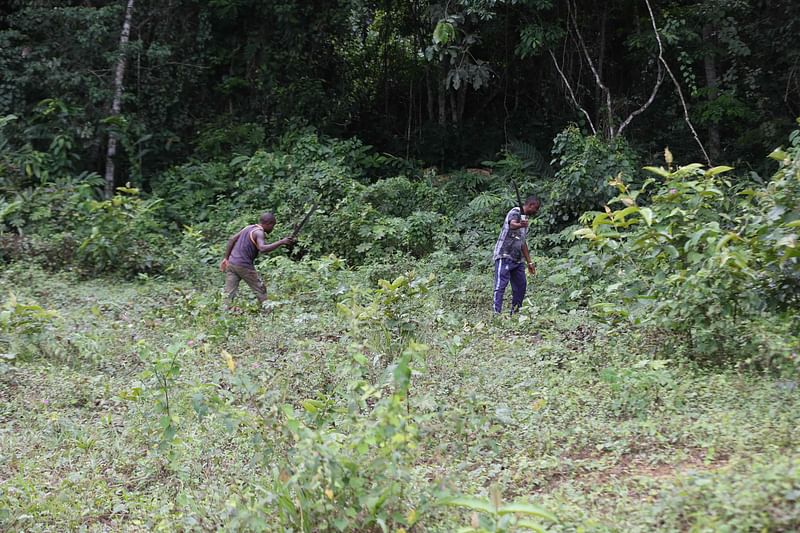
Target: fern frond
x,y
532,159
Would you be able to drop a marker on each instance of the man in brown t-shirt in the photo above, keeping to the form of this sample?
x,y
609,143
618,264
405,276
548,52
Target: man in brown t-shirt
x,y
241,251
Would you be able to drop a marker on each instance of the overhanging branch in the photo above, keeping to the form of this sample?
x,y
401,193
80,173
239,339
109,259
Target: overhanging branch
x,y
571,93
675,81
659,80
597,78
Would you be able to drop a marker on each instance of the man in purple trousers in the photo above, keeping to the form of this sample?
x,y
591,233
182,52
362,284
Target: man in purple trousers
x,y
509,252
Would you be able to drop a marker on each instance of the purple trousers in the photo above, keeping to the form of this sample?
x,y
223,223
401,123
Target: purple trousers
x,y
506,270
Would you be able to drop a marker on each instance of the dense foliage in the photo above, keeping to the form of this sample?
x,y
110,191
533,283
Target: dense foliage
x,y
446,82
650,380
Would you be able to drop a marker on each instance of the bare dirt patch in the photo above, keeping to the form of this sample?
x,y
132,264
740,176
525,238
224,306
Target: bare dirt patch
x,y
629,467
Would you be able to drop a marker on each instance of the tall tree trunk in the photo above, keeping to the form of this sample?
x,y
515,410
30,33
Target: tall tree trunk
x,y
410,116
462,101
116,104
421,36
600,60
712,84
442,94
429,91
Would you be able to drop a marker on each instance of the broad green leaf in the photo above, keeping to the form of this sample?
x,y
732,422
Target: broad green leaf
x,y
672,251
599,220
444,32
725,240
696,236
789,241
647,215
585,233
694,257
778,155
527,509
711,191
313,406
344,310
658,170
469,502
625,212
690,168
533,526
717,170
399,282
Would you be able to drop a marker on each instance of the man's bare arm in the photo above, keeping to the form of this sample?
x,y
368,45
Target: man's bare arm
x,y
263,247
228,249
231,244
527,255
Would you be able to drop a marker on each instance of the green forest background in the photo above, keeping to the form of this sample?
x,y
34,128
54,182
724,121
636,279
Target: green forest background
x,y
660,333
420,111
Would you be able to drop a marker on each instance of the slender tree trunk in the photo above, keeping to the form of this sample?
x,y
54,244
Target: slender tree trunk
x,y
712,83
601,60
443,94
420,38
462,101
420,117
116,104
675,82
453,108
429,92
410,116
386,41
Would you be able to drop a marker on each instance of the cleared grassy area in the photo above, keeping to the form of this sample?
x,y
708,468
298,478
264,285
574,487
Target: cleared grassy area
x,y
601,426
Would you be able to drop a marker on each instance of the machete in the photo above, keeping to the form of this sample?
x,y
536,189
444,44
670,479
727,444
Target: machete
x,y
299,227
519,200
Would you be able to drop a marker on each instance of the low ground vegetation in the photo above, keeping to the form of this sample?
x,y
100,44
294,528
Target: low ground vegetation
x,y
649,382
158,411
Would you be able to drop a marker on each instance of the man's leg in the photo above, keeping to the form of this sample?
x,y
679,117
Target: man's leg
x,y
501,278
231,285
519,283
251,277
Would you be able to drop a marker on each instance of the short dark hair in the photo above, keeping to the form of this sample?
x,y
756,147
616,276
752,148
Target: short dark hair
x,y
266,218
533,199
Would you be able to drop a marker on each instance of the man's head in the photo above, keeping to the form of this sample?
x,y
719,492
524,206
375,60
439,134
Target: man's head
x,y
267,222
531,205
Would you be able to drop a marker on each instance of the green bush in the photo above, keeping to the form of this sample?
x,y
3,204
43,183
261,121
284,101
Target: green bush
x,y
639,389
355,221
702,259
22,328
223,137
62,225
585,164
192,189
391,315
400,197
122,235
350,462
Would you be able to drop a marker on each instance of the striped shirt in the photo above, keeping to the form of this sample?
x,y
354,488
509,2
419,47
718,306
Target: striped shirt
x,y
509,244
